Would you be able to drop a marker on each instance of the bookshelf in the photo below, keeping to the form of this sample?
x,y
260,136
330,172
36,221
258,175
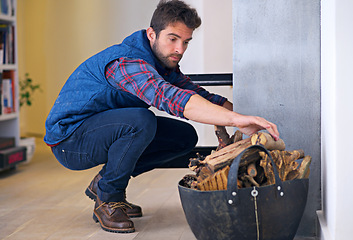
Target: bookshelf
x,y
10,151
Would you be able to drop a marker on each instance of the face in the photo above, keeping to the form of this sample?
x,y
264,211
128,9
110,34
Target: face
x,y
171,43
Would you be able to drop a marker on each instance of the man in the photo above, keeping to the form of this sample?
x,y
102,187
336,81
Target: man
x,y
101,115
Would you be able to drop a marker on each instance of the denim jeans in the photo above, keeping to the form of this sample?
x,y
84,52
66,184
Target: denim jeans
x,y
128,142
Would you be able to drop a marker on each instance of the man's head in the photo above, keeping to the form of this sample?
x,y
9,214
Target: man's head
x,y
172,11
171,29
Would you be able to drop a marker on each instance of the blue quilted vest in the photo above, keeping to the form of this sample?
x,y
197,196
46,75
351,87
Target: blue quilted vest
x,y
87,92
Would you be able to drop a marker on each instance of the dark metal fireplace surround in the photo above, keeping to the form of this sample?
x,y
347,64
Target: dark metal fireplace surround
x,y
217,79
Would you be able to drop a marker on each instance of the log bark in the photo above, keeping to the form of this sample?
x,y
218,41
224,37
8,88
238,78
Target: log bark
x,y
237,136
222,136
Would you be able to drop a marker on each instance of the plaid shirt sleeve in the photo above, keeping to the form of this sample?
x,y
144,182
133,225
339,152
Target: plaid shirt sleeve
x,y
142,80
186,83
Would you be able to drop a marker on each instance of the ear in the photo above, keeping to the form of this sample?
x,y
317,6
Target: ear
x,y
151,34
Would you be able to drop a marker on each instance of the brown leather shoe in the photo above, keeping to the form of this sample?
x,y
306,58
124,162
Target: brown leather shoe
x,y
132,210
112,217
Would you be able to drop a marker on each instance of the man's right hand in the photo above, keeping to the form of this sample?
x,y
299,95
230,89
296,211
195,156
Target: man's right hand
x,y
201,110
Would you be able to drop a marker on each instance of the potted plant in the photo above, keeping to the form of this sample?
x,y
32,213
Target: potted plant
x,y
27,89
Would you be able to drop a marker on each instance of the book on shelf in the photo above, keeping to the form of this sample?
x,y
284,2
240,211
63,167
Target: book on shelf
x,y
6,97
7,43
7,92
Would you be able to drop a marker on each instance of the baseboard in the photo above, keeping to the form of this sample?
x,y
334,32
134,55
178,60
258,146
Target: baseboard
x,y
324,231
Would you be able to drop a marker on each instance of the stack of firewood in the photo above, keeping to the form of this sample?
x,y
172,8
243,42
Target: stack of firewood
x,y
255,168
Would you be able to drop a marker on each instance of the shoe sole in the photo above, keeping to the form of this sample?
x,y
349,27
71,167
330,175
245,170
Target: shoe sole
x,y
113,230
93,196
134,215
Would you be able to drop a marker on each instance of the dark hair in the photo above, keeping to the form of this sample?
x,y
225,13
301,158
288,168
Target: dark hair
x,y
172,11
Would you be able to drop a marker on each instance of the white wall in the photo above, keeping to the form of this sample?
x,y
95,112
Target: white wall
x,y
56,36
336,217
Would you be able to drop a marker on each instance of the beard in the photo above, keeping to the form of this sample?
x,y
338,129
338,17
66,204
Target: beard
x,y
166,60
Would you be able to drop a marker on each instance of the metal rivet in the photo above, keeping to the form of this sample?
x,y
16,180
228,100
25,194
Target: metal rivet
x,y
282,194
63,150
234,193
254,193
230,201
279,188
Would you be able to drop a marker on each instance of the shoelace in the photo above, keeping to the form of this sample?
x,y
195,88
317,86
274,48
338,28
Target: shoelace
x,y
128,204
115,205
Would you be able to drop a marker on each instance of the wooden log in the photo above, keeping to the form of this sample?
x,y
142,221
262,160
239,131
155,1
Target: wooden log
x,y
292,175
260,177
289,168
286,164
222,178
301,153
307,174
290,156
265,139
203,172
237,136
226,155
304,169
217,181
222,136
251,170
249,157
266,164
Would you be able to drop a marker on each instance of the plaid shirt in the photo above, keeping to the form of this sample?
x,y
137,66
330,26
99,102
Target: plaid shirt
x,y
142,80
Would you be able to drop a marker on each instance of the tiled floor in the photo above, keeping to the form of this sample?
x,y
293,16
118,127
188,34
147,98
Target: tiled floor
x,y
43,200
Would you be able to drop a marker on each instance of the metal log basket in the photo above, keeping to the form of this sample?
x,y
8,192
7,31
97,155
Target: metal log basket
x,y
260,213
